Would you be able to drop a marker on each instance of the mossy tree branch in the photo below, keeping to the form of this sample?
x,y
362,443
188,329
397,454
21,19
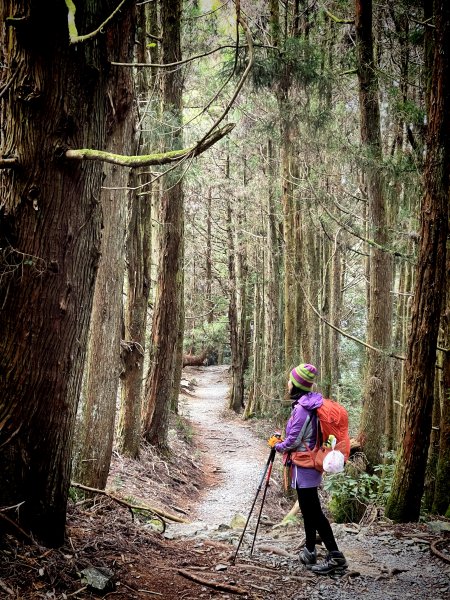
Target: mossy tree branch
x,y
337,19
73,32
146,160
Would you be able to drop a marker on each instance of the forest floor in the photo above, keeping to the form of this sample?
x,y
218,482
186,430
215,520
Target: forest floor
x,y
211,481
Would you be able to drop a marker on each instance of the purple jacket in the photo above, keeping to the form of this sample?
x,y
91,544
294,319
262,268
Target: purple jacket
x,y
301,410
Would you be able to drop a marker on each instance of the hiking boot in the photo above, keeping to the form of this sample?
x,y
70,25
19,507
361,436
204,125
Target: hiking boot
x,y
334,561
308,558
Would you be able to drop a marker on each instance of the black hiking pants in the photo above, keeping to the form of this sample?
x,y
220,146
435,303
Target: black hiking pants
x,y
314,519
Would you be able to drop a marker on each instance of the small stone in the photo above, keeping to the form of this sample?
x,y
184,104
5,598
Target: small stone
x,y
438,526
238,521
98,579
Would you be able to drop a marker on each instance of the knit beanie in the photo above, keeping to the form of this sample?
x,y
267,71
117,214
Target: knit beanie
x,y
303,376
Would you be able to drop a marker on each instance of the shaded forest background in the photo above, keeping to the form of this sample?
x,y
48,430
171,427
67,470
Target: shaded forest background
x,y
256,183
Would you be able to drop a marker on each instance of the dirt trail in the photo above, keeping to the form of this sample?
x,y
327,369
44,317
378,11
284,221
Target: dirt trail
x,y
237,455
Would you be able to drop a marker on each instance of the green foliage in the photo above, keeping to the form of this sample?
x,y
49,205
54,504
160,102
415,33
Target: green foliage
x,y
75,494
409,111
354,490
214,335
299,60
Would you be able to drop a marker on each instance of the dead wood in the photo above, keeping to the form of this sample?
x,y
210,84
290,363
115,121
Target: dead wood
x,y
157,511
257,568
214,584
195,360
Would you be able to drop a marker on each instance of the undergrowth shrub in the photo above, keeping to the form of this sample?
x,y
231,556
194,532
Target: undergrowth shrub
x,y
353,490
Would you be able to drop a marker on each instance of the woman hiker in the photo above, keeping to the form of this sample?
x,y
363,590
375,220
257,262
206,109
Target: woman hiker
x,y
307,480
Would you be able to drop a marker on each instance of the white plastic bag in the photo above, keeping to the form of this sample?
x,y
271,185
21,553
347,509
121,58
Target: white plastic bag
x,y
334,460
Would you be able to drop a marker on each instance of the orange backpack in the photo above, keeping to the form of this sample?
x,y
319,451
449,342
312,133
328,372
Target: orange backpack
x,y
332,419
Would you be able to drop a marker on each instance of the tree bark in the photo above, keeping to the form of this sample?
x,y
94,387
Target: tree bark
x,y
325,330
272,285
404,501
378,371
441,435
335,313
50,235
168,322
237,310
139,247
104,365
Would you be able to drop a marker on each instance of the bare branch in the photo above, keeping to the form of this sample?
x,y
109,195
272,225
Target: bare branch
x,y
249,38
177,63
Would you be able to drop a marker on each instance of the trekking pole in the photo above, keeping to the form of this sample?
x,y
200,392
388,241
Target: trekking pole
x,y
269,472
266,471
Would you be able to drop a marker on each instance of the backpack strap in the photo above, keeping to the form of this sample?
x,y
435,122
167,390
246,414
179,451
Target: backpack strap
x,y
305,427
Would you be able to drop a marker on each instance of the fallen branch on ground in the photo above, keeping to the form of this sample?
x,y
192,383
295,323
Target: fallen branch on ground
x,y
157,511
226,587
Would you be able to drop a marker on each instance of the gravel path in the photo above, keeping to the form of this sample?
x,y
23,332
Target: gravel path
x,y
239,456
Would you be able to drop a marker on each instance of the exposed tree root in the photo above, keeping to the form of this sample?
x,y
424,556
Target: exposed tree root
x,y
434,549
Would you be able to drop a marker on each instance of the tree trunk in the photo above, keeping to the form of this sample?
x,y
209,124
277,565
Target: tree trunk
x,y
235,399
256,390
289,234
50,239
441,500
104,365
433,448
325,309
195,360
208,262
138,249
378,373
168,324
272,285
237,312
335,314
404,501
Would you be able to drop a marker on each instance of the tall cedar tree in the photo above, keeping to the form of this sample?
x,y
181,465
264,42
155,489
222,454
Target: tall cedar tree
x,y
50,220
405,499
168,324
380,270
103,363
138,249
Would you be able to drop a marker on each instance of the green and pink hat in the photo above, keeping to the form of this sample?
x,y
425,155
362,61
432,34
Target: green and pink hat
x,y
303,376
